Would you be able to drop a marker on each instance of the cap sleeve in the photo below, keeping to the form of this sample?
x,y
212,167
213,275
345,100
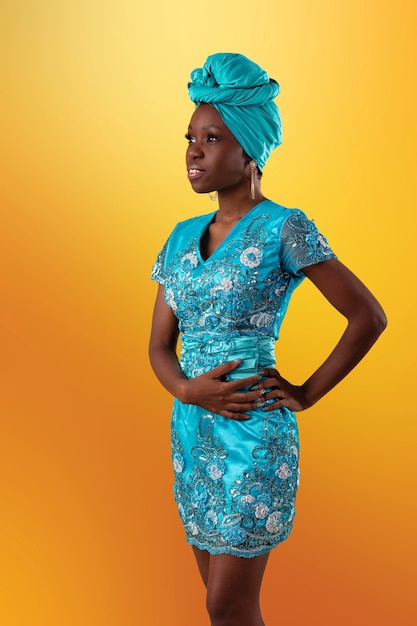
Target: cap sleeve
x,y
302,244
158,270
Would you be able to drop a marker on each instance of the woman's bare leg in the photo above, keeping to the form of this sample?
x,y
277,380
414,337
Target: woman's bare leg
x,y
203,561
233,586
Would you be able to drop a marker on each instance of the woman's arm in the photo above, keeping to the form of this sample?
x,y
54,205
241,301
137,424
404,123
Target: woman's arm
x,y
208,390
366,321
163,344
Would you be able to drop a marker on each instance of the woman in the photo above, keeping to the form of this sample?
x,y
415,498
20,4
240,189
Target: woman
x,y
225,282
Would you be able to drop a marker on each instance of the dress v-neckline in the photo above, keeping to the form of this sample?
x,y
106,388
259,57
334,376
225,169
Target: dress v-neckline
x,y
211,217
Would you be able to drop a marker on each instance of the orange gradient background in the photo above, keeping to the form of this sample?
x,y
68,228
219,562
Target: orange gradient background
x,y
93,112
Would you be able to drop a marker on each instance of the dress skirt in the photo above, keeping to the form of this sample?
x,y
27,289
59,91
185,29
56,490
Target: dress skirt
x,y
235,481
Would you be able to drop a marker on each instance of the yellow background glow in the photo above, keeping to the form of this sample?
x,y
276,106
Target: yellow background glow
x,y
94,107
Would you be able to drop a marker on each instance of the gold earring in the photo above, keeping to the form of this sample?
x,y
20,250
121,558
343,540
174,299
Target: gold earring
x,y
213,196
252,167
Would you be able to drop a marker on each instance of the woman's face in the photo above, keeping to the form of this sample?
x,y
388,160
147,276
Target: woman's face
x,y
215,160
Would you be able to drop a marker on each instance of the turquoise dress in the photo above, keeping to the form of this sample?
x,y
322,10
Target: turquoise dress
x,y
236,481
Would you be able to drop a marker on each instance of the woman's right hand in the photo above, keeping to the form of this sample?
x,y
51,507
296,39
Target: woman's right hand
x,y
212,392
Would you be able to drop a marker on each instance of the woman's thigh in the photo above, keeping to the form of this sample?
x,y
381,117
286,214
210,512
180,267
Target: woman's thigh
x,y
233,587
203,561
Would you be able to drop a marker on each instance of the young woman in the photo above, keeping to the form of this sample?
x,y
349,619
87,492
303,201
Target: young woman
x,y
225,282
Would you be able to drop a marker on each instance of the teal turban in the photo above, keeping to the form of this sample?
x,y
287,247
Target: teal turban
x,y
243,94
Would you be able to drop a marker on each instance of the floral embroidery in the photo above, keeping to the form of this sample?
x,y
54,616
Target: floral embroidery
x,y
189,261
247,288
283,471
215,469
273,524
261,511
210,519
235,485
171,300
262,497
178,462
251,257
261,320
302,236
225,285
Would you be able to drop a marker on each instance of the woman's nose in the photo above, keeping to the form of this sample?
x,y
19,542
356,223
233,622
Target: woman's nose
x,y
195,150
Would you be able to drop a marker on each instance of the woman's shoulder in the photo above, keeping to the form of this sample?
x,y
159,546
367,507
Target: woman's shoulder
x,y
279,210
186,231
279,213
188,228
193,223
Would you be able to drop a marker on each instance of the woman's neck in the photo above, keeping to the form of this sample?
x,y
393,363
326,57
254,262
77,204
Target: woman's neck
x,y
232,208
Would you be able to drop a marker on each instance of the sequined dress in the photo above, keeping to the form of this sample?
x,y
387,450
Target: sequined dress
x,y
236,481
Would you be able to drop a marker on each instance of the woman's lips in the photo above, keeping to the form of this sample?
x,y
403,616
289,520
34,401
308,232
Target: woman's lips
x,y
194,172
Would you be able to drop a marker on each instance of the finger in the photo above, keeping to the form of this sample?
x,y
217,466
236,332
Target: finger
x,y
241,383
246,397
222,369
278,404
271,396
270,382
274,394
247,406
274,400
283,403
269,371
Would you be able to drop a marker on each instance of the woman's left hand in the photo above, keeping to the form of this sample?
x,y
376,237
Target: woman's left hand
x,y
281,393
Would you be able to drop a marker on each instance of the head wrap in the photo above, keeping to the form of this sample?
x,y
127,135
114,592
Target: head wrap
x,y
243,94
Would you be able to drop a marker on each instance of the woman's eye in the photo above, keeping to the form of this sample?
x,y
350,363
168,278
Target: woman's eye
x,y
210,138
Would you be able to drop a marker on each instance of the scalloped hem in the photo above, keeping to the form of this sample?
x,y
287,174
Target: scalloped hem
x,y
235,551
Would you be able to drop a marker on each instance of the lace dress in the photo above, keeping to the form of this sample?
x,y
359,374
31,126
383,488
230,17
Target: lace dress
x,y
236,481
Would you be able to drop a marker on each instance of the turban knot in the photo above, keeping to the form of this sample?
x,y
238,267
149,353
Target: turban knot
x,y
243,94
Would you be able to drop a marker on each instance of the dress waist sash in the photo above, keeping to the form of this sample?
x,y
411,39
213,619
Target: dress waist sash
x,y
199,355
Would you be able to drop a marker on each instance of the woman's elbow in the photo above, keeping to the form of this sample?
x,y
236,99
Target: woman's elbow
x,y
376,320
379,318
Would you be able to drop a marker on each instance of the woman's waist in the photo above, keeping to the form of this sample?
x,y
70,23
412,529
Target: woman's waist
x,y
201,353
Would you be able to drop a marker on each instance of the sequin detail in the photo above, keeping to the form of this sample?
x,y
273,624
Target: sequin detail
x,y
236,482
244,513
